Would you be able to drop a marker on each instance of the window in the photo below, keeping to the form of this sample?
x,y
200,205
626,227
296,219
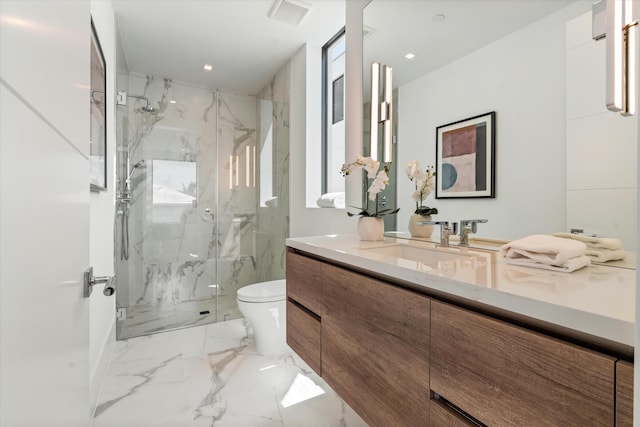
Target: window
x,y
174,189
333,130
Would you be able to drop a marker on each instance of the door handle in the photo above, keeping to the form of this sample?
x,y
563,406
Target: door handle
x,y
90,281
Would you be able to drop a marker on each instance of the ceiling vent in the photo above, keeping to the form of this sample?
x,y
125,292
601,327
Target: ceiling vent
x,y
290,11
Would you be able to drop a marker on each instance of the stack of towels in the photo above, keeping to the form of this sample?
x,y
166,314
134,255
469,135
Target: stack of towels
x,y
546,252
599,249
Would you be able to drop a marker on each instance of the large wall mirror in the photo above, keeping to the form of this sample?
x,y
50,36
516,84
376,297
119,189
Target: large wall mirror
x,y
562,160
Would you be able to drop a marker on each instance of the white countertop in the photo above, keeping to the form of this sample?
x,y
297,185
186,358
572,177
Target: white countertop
x,y
597,300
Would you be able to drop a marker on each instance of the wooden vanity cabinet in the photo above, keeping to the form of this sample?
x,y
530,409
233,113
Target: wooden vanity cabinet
x,y
502,374
304,304
304,281
400,358
624,394
375,347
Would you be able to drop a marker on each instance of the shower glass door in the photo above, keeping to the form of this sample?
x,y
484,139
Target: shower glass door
x,y
172,227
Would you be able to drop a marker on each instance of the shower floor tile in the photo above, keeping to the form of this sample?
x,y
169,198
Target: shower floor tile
x,y
149,319
211,375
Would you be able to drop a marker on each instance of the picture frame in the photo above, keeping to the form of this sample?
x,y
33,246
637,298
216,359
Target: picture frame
x,y
98,116
465,158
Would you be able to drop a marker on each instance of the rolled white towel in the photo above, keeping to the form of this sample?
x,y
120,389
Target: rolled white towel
x,y
272,202
331,200
595,242
544,249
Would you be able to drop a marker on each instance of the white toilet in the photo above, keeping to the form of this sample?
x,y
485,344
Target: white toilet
x,y
264,306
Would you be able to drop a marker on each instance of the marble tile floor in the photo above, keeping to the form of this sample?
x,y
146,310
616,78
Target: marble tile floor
x,y
211,375
149,319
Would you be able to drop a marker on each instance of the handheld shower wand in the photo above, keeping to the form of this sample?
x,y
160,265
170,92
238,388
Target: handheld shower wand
x,y
127,182
140,164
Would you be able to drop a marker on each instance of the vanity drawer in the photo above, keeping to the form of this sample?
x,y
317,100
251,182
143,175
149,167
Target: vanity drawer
x,y
303,335
304,281
442,416
624,394
375,348
502,374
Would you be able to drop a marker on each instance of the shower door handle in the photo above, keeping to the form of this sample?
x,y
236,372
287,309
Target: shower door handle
x,y
90,281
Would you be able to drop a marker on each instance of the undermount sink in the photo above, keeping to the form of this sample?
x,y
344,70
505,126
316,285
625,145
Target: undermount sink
x,y
414,253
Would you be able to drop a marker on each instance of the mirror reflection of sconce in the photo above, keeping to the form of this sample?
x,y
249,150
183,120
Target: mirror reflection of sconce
x,y
621,49
381,111
249,168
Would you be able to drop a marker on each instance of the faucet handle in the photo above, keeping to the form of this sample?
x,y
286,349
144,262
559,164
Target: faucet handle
x,y
473,223
445,223
445,230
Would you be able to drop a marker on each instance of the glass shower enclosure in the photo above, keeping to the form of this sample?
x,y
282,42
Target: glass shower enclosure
x,y
202,201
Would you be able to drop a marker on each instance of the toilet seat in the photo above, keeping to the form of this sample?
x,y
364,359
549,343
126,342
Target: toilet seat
x,y
275,290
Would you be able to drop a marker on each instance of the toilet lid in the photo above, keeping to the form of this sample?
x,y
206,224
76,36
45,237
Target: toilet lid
x,y
275,290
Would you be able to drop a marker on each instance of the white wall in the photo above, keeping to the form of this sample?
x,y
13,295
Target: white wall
x,y
530,128
305,166
305,133
601,146
102,211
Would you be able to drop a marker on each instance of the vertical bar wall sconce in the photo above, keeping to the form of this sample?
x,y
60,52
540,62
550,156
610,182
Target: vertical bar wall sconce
x,y
381,112
247,161
231,172
375,109
253,165
388,119
621,57
237,170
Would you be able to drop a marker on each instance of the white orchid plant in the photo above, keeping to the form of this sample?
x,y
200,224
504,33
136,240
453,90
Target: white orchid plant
x,y
425,183
380,181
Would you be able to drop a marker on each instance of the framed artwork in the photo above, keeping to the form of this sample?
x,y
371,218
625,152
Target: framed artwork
x,y
98,141
465,158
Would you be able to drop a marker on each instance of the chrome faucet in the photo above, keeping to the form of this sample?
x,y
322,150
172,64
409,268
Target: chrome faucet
x,y
468,226
445,230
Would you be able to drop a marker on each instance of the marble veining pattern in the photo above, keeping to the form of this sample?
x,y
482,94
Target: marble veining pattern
x,y
211,376
222,240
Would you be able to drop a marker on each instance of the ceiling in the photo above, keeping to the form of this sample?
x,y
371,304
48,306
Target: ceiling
x,y
464,26
175,38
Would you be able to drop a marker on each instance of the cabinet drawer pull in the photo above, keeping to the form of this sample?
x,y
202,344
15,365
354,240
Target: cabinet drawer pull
x,y
303,308
450,406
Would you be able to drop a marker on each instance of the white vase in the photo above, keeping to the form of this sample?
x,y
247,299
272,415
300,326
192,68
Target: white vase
x,y
420,230
370,228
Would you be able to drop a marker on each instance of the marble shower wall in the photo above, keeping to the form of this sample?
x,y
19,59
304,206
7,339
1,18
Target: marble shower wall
x,y
190,229
273,221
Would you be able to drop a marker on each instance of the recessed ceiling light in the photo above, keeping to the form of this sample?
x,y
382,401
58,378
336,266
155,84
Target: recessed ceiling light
x,y
410,56
438,18
208,67
172,101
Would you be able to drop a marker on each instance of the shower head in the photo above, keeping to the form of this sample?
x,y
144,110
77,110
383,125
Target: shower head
x,y
147,108
140,165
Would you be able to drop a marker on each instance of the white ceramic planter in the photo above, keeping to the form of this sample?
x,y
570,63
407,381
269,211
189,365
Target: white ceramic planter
x,y
420,230
370,228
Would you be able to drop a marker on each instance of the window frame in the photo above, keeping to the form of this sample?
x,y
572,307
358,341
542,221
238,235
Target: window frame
x,y
326,87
